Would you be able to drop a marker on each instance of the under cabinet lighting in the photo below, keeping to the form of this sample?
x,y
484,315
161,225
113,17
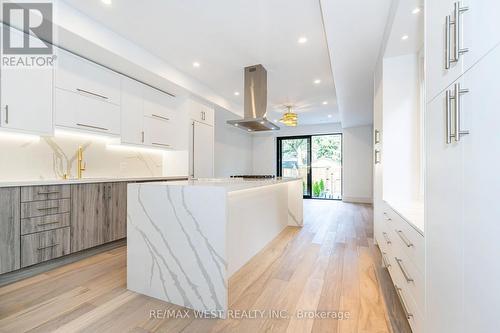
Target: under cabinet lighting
x,y
75,134
136,149
14,136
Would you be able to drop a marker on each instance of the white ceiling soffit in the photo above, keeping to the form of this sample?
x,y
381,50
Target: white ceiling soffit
x,y
407,22
224,36
354,31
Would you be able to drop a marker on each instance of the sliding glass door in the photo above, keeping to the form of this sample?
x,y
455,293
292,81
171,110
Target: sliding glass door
x,y
294,160
317,159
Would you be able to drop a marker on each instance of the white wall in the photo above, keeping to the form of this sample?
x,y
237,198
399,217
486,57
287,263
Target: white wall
x,y
233,147
264,144
401,122
358,162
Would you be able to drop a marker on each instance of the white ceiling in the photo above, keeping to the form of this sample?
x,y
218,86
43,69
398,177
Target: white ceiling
x,y
406,23
226,35
355,31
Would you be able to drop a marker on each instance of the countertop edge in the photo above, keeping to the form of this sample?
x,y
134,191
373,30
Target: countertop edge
x,y
87,181
405,217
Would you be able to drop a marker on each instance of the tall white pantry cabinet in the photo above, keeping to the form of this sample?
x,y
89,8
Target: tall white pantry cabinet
x,y
462,185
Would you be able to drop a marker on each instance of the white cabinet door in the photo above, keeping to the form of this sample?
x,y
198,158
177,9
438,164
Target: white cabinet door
x,y
132,119
77,111
201,113
481,116
27,96
479,32
444,226
158,104
202,156
159,133
76,74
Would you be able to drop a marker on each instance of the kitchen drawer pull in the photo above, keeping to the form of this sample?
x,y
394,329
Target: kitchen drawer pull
x,y
160,144
399,291
48,246
48,208
91,93
385,262
7,114
405,239
387,218
47,223
90,126
387,240
48,192
403,270
160,117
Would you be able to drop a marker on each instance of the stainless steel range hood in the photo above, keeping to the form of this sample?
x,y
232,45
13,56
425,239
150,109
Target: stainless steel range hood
x,y
255,99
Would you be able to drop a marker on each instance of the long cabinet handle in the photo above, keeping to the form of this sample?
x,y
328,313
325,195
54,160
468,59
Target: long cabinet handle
x,y
48,192
458,11
447,43
385,262
91,93
7,113
403,270
458,111
192,156
159,117
399,291
91,126
387,240
48,246
160,144
48,208
47,223
449,134
405,239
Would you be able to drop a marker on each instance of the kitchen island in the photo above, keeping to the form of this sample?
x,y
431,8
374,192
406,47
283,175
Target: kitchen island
x,y
185,239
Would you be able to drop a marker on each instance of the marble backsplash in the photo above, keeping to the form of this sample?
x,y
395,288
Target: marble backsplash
x,y
52,157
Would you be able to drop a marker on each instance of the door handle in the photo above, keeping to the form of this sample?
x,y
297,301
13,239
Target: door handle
x,y
91,93
407,276
456,22
6,113
399,291
456,97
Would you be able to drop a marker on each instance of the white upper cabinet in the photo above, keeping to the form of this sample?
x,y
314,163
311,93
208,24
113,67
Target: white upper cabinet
x,y
26,96
201,113
158,104
87,96
159,133
132,118
202,151
86,78
473,31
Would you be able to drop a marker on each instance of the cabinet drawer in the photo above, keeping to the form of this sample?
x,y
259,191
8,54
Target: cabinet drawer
x,y
44,223
44,246
405,236
37,193
159,133
410,277
42,208
158,104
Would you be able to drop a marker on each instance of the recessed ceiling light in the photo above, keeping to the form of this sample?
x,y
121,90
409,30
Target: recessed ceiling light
x,y
325,103
236,93
236,125
302,40
275,120
317,81
329,116
196,64
416,10
405,37
249,130
262,122
107,2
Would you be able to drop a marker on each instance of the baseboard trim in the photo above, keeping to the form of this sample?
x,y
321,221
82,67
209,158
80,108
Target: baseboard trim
x,y
43,267
367,200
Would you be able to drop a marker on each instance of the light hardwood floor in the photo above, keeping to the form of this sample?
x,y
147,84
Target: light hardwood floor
x,y
327,266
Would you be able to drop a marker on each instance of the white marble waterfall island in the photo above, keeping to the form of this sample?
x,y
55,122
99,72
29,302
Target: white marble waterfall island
x,y
185,239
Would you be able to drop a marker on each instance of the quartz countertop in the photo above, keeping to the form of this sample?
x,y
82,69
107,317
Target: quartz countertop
x,y
229,184
38,182
411,211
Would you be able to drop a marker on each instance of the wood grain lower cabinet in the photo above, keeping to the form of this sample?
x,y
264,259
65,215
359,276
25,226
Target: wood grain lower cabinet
x,y
43,246
98,214
88,216
10,256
